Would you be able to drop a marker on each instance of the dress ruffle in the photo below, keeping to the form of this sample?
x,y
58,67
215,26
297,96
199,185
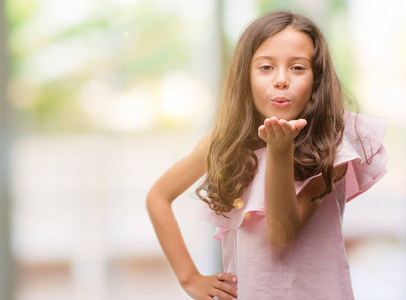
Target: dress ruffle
x,y
366,165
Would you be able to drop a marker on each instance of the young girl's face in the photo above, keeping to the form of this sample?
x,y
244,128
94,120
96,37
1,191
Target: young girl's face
x,y
282,76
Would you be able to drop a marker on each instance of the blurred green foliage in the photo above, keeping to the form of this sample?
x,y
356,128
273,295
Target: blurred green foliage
x,y
124,48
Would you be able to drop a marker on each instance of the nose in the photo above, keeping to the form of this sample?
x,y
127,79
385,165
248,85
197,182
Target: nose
x,y
281,80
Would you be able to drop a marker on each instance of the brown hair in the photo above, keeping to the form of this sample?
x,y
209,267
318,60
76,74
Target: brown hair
x,y
231,161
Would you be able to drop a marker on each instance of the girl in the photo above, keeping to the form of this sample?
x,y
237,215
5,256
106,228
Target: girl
x,y
281,162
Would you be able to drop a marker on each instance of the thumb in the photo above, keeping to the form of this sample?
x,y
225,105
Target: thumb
x,y
299,124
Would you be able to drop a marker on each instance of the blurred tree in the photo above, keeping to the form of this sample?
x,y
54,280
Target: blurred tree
x,y
7,281
120,46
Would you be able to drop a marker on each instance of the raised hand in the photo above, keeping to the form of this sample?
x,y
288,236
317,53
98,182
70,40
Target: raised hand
x,y
279,134
201,287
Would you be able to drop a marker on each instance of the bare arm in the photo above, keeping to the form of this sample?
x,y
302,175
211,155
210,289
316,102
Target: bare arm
x,y
166,189
287,214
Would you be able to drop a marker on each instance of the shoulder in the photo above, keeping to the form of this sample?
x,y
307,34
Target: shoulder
x,y
202,147
361,126
363,137
201,150
183,173
195,163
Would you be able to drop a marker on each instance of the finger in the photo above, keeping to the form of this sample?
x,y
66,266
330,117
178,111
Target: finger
x,y
299,124
262,132
226,287
226,277
221,295
286,126
276,126
269,127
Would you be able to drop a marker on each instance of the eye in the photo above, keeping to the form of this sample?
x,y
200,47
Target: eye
x,y
298,68
265,68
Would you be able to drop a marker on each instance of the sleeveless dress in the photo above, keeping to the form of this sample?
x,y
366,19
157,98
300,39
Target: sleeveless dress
x,y
315,265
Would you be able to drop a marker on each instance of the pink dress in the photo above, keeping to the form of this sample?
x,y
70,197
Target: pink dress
x,y
315,265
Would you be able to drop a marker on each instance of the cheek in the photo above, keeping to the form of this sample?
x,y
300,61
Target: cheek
x,y
259,87
305,89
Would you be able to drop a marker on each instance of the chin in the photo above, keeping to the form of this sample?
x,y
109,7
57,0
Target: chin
x,y
287,117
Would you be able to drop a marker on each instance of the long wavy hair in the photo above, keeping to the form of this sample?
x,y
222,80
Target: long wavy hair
x,y
231,161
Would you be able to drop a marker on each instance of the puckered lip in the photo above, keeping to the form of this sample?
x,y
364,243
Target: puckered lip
x,y
280,99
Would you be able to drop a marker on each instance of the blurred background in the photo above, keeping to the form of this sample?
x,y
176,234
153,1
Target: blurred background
x,y
99,98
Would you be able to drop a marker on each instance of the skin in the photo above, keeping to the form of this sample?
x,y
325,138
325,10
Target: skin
x,y
166,189
286,214
281,67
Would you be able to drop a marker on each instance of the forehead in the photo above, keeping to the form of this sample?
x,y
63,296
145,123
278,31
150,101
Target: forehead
x,y
287,43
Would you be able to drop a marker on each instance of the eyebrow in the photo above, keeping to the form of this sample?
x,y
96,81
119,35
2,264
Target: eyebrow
x,y
271,57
